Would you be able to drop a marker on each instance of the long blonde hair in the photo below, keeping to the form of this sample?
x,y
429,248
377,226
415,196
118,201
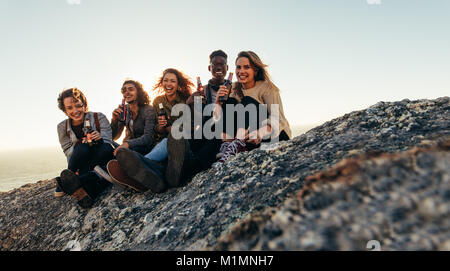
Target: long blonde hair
x,y
260,68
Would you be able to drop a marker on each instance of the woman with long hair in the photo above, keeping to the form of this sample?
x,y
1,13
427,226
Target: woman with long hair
x,y
85,139
144,172
139,119
254,86
174,87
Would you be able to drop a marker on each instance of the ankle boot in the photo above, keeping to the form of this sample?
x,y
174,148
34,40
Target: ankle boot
x,y
182,163
143,170
71,184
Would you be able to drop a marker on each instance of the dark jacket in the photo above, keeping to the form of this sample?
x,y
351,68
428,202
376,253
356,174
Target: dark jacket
x,y
139,132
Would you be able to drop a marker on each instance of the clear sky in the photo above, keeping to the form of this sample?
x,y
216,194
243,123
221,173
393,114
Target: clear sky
x,y
328,57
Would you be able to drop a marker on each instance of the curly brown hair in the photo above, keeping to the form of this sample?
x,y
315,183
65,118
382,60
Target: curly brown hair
x,y
142,95
74,93
184,82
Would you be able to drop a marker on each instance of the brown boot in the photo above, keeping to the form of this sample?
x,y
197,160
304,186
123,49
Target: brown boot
x,y
71,185
120,178
144,171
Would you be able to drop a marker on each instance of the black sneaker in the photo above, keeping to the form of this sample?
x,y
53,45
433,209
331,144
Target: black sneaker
x,y
146,174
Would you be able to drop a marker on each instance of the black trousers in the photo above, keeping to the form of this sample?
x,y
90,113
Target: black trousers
x,y
246,100
85,158
205,150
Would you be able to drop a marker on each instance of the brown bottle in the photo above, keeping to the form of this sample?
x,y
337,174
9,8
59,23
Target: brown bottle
x,y
227,84
123,115
199,84
162,112
87,129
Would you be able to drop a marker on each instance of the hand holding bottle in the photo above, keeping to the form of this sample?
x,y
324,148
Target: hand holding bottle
x,y
124,145
95,135
227,85
162,121
222,92
120,112
117,112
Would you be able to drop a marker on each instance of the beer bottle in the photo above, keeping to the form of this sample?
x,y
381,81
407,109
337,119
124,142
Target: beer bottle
x,y
227,84
123,115
87,129
162,112
201,89
199,84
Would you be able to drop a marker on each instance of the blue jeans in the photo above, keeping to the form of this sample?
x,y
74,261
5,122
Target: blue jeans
x,y
159,152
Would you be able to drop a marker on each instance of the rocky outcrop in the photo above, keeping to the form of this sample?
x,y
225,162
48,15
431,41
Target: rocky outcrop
x,y
401,201
276,197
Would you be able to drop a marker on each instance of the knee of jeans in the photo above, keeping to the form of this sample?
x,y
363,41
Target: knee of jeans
x,y
81,150
104,151
105,147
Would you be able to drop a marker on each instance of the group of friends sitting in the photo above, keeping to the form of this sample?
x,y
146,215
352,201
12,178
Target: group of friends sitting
x,y
150,156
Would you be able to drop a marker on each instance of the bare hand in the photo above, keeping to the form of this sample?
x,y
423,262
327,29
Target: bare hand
x,y
254,137
221,92
117,112
124,145
162,122
242,134
95,135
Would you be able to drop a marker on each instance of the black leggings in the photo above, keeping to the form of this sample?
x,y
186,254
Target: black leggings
x,y
246,100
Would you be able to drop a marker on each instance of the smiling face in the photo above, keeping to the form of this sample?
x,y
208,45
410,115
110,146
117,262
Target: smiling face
x,y
130,93
74,109
170,84
218,68
245,72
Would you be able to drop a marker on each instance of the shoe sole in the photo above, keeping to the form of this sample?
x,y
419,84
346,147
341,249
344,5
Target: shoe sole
x,y
132,165
107,176
137,186
59,194
175,161
71,185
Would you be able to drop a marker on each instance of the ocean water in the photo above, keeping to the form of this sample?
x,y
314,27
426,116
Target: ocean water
x,y
21,167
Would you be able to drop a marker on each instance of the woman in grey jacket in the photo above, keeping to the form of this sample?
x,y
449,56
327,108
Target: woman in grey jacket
x,y
85,139
139,119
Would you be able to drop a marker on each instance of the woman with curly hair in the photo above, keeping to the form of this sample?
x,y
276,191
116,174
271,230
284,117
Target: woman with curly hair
x,y
85,139
174,87
139,119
